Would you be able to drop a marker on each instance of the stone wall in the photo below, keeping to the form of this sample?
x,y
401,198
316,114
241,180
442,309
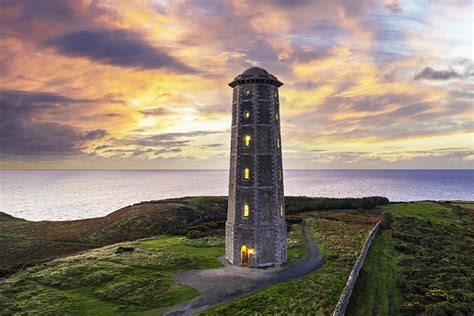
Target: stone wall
x,y
347,292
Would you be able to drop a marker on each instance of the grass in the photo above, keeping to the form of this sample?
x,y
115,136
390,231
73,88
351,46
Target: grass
x,y
114,280
178,244
421,264
296,246
426,211
24,242
130,278
381,294
340,237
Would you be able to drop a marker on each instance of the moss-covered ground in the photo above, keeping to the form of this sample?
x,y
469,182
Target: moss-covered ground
x,y
421,264
340,237
130,278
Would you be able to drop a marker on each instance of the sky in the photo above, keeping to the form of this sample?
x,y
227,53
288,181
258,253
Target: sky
x,y
143,84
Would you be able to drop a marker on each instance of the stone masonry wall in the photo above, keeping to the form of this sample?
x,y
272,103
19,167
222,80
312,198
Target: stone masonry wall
x,y
341,306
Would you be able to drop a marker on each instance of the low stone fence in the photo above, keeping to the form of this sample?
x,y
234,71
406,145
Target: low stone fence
x,y
347,292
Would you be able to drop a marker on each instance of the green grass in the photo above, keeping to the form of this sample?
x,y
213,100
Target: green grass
x,y
205,257
426,211
378,280
296,246
421,264
340,239
107,282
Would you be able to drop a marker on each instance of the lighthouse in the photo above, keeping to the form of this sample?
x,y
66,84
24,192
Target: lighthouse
x,y
256,227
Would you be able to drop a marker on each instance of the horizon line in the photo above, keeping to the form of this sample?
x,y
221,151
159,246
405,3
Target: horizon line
x,y
226,169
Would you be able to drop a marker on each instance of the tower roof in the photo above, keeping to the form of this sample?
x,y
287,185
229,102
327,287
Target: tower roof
x,y
255,71
255,75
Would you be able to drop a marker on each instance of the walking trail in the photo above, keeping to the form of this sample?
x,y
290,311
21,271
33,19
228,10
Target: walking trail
x,y
231,282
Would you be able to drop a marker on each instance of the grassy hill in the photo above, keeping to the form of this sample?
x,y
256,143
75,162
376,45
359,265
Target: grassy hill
x,y
134,277
25,242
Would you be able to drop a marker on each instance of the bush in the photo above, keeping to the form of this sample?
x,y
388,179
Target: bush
x,y
386,222
124,250
193,234
304,204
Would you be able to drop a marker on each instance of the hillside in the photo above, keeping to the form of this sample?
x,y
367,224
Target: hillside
x,y
135,277
26,242
421,263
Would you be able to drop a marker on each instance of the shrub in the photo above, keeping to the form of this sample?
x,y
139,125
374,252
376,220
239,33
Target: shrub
x,y
193,234
124,249
386,222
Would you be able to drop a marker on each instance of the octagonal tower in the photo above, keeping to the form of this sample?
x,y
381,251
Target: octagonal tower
x,y
256,227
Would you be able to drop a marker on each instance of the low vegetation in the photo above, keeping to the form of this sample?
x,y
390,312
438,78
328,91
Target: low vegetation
x,y
421,264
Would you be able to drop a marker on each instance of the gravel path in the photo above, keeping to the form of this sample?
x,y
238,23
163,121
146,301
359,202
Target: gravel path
x,y
231,282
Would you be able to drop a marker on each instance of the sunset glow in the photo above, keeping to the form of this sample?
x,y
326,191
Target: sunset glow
x,y
143,84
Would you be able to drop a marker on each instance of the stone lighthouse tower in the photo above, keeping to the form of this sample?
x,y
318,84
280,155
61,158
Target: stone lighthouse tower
x,y
256,227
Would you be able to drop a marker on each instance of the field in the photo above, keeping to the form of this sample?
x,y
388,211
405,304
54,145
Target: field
x,y
421,264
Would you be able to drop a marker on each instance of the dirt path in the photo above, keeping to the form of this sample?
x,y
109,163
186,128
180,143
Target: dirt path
x,y
232,282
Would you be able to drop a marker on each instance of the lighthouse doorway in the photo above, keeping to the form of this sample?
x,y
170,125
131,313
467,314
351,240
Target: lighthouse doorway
x,y
244,255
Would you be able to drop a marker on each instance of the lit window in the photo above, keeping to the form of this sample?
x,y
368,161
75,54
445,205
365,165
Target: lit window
x,y
246,173
276,116
278,142
246,210
247,139
246,115
281,210
247,92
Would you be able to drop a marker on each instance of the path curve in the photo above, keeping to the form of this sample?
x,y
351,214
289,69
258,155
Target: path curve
x,y
231,282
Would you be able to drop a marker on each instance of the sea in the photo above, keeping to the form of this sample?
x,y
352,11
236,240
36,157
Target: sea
x,y
75,194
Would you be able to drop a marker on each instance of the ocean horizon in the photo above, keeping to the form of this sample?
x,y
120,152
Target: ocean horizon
x,y
68,194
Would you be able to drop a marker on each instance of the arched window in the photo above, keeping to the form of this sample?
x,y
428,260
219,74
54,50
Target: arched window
x,y
247,140
246,115
278,142
246,210
279,174
276,116
246,173
281,210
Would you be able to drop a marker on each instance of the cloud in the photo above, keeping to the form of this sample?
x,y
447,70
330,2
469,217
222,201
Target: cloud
x,y
412,159
155,111
95,134
393,5
24,133
118,47
431,74
345,73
